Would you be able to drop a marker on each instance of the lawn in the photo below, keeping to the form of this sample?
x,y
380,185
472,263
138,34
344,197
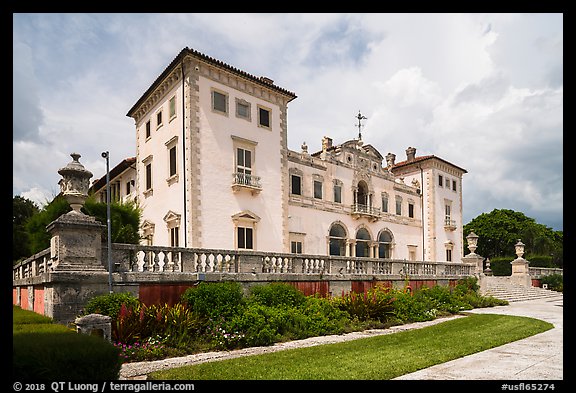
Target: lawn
x,y
378,358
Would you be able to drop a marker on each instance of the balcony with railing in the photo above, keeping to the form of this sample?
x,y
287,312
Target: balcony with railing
x,y
449,224
359,210
246,181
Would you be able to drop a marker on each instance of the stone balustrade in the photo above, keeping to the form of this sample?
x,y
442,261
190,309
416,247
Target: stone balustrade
x,y
141,258
33,266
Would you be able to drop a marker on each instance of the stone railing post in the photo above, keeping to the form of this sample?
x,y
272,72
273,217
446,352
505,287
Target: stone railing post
x,y
250,262
398,268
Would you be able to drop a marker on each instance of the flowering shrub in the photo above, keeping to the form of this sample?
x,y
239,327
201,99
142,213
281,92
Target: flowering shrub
x,y
152,348
223,337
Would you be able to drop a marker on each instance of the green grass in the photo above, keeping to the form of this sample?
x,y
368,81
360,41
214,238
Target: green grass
x,y
25,317
380,357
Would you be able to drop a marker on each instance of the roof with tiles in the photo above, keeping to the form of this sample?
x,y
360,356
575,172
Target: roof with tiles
x,y
264,81
116,171
424,158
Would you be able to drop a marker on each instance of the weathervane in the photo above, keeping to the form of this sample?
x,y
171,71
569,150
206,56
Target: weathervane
x,y
360,118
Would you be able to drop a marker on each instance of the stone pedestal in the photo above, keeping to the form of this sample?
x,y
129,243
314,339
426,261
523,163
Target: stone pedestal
x,y
77,273
520,273
477,260
76,243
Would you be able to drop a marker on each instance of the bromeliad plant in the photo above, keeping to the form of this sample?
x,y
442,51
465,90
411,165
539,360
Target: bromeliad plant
x,y
177,323
375,304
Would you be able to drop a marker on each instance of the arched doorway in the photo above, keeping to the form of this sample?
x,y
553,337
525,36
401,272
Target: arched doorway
x,y
337,240
362,194
363,240
384,244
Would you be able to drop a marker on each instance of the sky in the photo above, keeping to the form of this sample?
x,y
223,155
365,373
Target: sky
x,y
482,91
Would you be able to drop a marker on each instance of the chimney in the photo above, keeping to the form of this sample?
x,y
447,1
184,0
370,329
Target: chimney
x,y
326,143
410,153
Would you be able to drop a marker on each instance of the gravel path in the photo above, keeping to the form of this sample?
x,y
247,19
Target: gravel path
x,y
139,370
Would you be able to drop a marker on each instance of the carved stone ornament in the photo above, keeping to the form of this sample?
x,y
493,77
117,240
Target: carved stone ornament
x,y
472,239
75,183
519,249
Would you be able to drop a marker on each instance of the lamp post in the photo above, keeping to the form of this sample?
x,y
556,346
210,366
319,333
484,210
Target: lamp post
x,y
106,155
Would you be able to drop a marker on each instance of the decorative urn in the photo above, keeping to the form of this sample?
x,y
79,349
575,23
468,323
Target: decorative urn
x,y
75,183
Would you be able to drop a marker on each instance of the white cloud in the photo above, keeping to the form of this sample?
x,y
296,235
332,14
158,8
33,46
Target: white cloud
x,y
26,111
483,91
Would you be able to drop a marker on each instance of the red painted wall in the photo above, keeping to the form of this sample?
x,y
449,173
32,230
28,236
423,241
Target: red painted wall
x,y
170,294
417,284
161,294
39,300
365,286
24,298
309,288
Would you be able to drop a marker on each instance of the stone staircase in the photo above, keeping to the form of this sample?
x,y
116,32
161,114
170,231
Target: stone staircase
x,y
502,288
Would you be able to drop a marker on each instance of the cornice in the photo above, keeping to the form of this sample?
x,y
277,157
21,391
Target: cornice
x,y
427,162
208,67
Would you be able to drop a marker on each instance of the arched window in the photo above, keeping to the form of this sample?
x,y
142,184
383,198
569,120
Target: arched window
x,y
384,244
362,194
363,243
337,240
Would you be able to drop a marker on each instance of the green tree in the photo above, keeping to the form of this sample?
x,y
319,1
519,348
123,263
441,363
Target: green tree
x,y
38,237
22,210
500,229
125,221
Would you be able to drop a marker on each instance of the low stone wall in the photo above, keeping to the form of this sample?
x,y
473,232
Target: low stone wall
x,y
65,295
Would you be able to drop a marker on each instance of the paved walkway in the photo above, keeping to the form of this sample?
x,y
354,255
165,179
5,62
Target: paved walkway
x,y
539,357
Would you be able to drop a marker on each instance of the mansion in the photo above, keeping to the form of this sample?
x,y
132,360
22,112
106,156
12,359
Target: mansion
x,y
212,170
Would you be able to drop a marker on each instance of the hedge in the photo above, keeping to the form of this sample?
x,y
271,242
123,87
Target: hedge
x,y
43,350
